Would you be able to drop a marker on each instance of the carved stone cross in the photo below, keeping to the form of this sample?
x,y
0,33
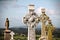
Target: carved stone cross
x,y
31,20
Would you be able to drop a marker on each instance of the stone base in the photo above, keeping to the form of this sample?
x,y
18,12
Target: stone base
x,y
7,34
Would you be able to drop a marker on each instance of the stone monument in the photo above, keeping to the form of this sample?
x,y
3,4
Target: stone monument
x,y
43,20
31,20
46,28
12,34
7,31
50,28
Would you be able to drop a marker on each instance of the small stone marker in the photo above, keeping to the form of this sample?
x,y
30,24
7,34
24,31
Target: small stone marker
x,y
12,34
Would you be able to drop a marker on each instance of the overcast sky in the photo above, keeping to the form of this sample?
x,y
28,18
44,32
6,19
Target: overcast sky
x,y
15,10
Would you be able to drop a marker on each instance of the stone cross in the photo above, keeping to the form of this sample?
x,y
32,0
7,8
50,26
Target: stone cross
x,y
12,34
31,20
43,20
50,29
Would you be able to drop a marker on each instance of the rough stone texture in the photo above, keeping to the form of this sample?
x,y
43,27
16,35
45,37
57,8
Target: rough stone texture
x,y
7,35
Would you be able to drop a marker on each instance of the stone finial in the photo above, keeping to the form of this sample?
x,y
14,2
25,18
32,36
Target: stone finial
x,y
31,8
43,10
49,21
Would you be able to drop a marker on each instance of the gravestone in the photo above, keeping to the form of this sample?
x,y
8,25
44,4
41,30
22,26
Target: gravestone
x,y
12,34
50,29
31,20
43,19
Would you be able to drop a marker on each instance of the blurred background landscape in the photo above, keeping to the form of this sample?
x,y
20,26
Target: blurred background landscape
x,y
15,10
21,33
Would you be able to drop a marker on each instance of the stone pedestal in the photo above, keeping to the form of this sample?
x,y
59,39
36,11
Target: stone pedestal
x,y
7,35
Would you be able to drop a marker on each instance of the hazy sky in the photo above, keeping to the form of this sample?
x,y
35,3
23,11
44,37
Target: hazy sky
x,y
15,10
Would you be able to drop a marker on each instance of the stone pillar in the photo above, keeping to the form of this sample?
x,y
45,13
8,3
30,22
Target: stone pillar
x,y
31,33
7,31
7,35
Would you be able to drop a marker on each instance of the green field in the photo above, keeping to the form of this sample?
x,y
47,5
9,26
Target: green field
x,y
25,38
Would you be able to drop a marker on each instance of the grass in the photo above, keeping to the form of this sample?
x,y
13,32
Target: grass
x,y
25,37
20,37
